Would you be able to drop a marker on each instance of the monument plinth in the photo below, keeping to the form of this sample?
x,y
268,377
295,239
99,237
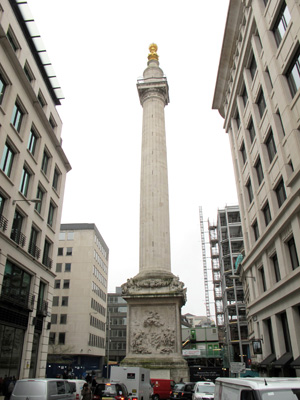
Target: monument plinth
x,y
154,296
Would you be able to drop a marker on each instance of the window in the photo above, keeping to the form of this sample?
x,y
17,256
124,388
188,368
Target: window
x,y
61,338
51,212
293,253
69,251
281,23
280,121
3,86
52,338
237,118
66,284
64,301
293,74
63,318
60,251
271,147
12,39
25,182
267,213
244,96
276,268
46,259
16,231
53,319
39,195
7,159
70,236
32,248
17,116
41,99
261,103
255,230
45,162
57,284
286,332
32,141
62,236
280,193
55,181
251,130
16,283
2,201
250,191
68,267
259,171
52,122
244,154
58,267
252,67
55,302
263,278
28,72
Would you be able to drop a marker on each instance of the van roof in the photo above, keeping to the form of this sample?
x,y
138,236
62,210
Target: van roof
x,y
41,379
261,383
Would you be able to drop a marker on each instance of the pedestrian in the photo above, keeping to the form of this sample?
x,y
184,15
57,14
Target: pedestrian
x,y
86,392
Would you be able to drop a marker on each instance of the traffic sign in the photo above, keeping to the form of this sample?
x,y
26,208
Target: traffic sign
x,y
237,367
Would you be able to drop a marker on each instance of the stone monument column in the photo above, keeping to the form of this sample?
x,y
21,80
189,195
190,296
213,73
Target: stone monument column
x,y
154,296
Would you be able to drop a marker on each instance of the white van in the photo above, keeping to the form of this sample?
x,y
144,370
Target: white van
x,y
257,388
42,389
76,386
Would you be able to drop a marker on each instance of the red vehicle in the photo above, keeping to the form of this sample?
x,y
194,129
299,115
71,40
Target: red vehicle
x,y
162,388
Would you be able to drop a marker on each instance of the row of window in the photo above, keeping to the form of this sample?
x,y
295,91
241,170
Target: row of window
x,y
98,307
294,262
68,251
65,284
117,345
55,317
117,309
99,292
96,323
99,276
61,338
100,262
118,333
64,301
66,235
66,269
116,299
96,341
100,247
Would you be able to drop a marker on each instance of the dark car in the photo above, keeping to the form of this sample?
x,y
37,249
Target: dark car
x,y
183,391
111,391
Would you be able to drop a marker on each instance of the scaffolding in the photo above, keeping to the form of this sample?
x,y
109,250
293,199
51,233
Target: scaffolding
x,y
206,288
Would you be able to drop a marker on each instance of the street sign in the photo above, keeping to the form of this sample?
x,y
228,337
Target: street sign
x,y
237,367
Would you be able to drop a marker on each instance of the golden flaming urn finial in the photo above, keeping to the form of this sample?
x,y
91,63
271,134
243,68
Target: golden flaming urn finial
x,y
153,49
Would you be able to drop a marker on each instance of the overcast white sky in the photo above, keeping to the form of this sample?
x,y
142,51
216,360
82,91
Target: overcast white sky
x,y
98,49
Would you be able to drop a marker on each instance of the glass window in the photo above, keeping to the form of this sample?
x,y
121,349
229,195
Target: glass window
x,y
3,86
64,301
263,278
61,338
16,231
55,301
63,318
58,267
237,118
60,251
276,268
261,103
281,23
7,159
28,72
17,117
271,147
57,284
250,191
267,214
293,253
251,130
16,283
70,236
255,230
68,267
51,212
12,39
244,96
62,235
53,319
25,182
52,338
45,162
41,99
32,141
252,67
280,193
293,74
2,201
243,152
66,284
55,179
39,195
259,171
46,259
69,251
32,248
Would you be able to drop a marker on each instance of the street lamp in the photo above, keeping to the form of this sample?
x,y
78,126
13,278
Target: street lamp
x,y
30,200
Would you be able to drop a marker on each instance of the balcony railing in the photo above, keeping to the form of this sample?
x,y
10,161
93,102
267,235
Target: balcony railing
x,y
18,237
47,262
42,308
14,297
34,250
3,223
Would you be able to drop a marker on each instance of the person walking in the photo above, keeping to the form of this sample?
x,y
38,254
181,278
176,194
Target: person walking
x,y
86,392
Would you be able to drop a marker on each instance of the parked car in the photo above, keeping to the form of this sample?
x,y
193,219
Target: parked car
x,y
183,391
162,388
203,390
117,391
76,386
97,393
42,389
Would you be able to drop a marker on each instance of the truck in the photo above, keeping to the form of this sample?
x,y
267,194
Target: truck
x,y
162,388
136,379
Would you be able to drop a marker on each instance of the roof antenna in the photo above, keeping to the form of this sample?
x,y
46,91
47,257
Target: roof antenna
x,y
265,382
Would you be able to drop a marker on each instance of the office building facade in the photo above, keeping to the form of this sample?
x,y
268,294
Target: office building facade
x,y
257,94
78,319
33,168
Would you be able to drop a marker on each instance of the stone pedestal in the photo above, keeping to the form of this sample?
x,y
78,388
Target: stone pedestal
x,y
154,325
